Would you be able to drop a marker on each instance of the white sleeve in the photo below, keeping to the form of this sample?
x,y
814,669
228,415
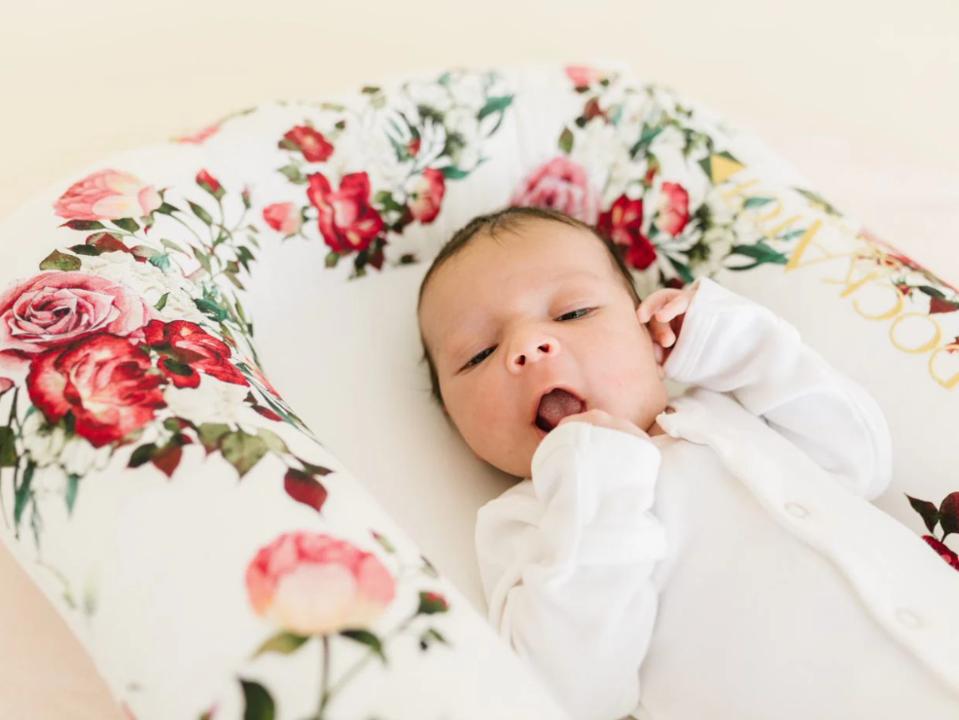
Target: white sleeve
x,y
731,344
565,560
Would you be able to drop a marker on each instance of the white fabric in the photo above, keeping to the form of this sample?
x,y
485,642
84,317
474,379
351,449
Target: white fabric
x,y
596,567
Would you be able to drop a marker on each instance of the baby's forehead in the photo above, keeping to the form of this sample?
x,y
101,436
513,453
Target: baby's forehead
x,y
536,243
483,307
534,257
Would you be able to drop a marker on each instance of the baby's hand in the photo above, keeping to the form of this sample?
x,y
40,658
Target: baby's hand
x,y
601,418
663,312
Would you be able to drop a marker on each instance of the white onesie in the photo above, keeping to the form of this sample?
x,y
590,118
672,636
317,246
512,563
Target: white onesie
x,y
733,567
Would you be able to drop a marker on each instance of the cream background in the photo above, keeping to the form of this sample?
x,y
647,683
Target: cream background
x,y
862,97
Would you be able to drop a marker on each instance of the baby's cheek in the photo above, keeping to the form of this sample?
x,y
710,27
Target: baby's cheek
x,y
482,415
490,412
633,371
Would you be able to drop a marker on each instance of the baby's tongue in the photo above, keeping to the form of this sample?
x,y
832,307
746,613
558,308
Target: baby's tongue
x,y
558,404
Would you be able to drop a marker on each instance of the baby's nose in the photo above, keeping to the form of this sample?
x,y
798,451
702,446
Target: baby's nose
x,y
532,349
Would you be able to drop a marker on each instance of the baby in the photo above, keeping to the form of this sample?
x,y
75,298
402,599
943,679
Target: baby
x,y
552,369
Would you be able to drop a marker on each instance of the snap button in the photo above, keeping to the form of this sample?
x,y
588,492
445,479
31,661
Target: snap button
x,y
669,410
796,510
908,618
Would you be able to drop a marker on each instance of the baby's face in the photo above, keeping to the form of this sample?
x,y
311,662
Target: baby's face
x,y
500,320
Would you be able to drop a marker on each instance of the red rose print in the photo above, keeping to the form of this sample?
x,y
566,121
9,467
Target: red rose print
x,y
622,224
944,552
428,195
311,143
346,219
673,209
313,583
562,185
283,217
189,350
103,380
107,195
56,308
209,183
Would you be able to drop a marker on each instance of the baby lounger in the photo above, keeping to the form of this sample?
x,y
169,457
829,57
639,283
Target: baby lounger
x,y
220,460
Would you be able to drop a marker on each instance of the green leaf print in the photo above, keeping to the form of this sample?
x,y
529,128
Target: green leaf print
x,y
760,252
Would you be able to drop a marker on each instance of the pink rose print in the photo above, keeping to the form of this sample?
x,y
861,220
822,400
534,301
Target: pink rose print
x,y
283,217
5,384
562,185
55,308
312,583
107,195
346,218
308,141
428,196
622,224
673,210
103,380
188,350
582,76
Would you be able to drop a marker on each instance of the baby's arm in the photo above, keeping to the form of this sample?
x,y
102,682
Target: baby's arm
x,y
731,344
565,560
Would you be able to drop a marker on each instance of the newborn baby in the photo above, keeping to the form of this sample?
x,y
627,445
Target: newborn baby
x,y
660,556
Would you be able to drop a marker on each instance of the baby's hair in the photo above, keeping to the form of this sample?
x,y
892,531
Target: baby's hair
x,y
510,218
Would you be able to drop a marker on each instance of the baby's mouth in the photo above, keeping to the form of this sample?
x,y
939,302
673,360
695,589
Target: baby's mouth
x,y
554,406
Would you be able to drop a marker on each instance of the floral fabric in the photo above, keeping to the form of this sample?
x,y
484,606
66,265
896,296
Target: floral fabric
x,y
145,453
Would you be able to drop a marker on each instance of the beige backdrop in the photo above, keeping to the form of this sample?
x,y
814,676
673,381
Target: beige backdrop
x,y
862,96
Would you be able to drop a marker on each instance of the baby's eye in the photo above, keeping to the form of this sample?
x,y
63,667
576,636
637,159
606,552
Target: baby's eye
x,y
478,358
573,312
